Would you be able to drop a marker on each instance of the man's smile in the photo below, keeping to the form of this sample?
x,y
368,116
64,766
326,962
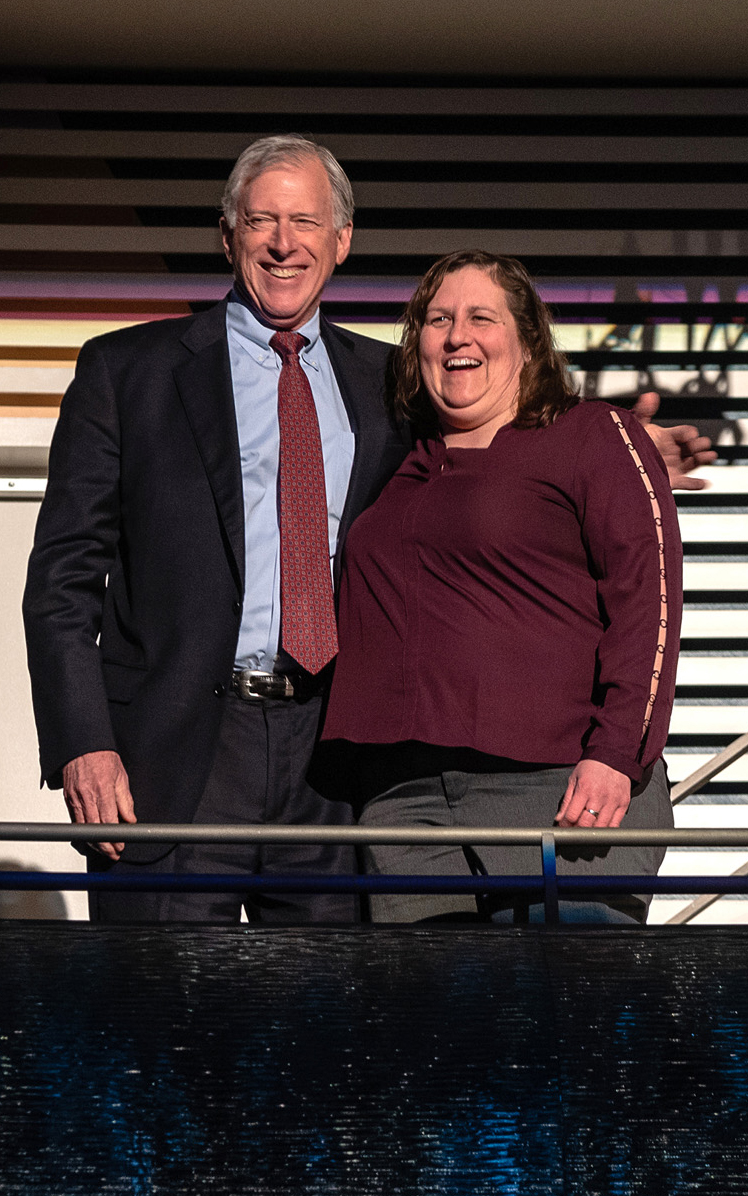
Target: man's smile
x,y
284,271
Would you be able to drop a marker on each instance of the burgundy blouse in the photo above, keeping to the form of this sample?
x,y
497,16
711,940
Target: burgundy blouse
x,y
523,600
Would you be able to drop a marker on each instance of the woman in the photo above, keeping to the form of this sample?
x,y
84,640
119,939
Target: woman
x,y
510,607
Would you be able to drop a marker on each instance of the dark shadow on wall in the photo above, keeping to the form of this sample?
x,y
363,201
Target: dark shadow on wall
x,y
29,905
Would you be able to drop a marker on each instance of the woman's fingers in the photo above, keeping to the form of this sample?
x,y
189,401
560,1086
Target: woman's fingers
x,y
596,796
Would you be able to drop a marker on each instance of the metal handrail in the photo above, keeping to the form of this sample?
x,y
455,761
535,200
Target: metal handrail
x,y
703,775
547,884
159,832
309,882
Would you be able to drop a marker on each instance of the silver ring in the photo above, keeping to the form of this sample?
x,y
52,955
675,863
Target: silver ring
x,y
594,813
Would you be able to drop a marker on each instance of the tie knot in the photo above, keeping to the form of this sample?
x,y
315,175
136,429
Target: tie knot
x,y
288,345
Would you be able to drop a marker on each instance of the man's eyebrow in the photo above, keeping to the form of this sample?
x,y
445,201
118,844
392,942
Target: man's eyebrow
x,y
292,215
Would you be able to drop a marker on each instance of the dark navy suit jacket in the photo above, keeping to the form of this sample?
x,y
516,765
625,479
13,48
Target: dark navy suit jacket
x,y
135,583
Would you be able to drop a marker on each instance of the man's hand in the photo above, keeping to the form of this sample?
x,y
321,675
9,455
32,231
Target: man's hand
x,y
96,789
681,448
596,796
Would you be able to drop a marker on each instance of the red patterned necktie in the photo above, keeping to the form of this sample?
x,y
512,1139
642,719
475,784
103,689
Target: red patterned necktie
x,y
308,629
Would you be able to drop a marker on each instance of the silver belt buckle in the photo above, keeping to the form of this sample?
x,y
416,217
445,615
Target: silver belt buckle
x,y
255,684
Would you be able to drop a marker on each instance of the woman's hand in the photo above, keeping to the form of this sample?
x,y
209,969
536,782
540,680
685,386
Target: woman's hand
x,y
596,796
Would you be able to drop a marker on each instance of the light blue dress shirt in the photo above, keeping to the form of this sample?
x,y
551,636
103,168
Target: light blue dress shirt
x,y
255,369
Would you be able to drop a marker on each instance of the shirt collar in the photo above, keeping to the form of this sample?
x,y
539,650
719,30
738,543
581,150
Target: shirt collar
x,y
255,336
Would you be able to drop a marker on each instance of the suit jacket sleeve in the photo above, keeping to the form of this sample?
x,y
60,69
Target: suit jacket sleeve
x,y
74,546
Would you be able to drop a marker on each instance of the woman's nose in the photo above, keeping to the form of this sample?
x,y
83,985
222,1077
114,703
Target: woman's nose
x,y
459,333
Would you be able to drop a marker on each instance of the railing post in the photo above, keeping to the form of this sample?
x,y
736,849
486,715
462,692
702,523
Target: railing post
x,y
550,879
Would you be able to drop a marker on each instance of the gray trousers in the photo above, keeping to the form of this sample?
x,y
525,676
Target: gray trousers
x,y
456,798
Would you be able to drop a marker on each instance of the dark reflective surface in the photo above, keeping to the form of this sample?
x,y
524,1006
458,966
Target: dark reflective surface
x,y
396,1061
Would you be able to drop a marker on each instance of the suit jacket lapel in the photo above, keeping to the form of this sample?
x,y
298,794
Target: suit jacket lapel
x,y
204,383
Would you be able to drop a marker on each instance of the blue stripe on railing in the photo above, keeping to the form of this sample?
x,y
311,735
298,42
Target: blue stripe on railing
x,y
311,883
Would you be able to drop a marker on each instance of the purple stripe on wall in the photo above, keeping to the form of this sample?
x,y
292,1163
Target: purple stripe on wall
x,y
204,288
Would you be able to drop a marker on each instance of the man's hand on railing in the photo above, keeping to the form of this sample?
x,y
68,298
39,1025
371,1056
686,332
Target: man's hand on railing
x,y
681,448
96,789
596,796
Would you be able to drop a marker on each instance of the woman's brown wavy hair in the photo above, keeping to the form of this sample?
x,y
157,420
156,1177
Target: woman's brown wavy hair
x,y
545,389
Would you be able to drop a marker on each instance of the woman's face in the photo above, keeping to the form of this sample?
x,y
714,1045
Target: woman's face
x,y
470,354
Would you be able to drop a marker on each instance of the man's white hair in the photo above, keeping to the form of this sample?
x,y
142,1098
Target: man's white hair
x,y
281,150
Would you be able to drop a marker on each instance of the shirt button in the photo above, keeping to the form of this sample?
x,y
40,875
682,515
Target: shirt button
x,y
219,690
237,608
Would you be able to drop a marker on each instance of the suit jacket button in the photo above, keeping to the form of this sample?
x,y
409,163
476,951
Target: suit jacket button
x,y
237,608
219,690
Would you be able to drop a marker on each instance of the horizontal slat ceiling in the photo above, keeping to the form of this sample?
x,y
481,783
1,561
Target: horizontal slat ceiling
x,y
112,192
389,242
414,100
625,184
375,147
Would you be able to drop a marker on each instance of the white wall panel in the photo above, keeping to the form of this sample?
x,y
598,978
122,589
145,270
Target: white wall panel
x,y
21,799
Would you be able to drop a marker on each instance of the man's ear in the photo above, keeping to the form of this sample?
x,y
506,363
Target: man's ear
x,y
344,243
227,236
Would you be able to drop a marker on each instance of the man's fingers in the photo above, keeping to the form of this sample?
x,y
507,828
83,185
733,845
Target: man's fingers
x,y
111,850
125,805
689,436
683,433
97,790
686,435
689,483
646,406
76,810
695,451
683,450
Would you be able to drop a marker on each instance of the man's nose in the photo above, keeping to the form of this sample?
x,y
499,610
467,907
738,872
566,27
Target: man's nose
x,y
283,239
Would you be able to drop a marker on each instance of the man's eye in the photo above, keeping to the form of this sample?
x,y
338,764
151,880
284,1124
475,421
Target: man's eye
x,y
307,224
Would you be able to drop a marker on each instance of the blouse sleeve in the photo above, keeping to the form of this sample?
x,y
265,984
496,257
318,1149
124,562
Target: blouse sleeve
x,y
630,530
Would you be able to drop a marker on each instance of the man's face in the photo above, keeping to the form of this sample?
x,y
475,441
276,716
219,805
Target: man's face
x,y
284,246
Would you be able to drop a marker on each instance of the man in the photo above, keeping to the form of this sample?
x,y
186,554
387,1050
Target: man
x,y
203,474
163,478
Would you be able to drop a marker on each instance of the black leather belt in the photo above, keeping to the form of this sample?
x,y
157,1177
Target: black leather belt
x,y
253,685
